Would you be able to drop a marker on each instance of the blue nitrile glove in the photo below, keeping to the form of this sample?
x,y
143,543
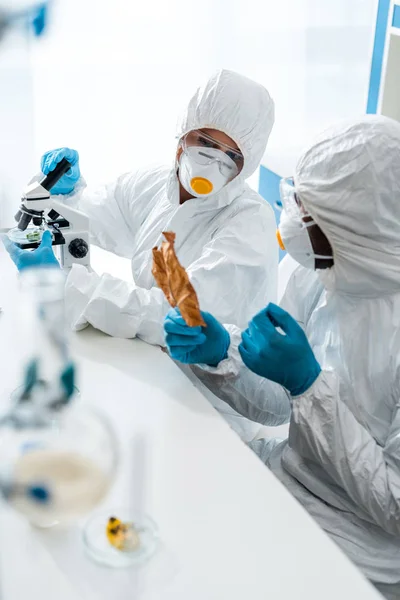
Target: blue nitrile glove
x,y
206,345
68,181
43,256
284,358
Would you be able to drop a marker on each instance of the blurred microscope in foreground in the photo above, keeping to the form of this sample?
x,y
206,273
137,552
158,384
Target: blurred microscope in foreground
x,y
58,456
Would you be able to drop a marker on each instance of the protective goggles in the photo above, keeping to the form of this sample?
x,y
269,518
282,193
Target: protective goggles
x,y
293,208
289,199
230,161
295,213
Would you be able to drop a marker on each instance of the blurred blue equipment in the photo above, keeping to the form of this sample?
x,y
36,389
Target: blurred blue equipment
x,y
34,17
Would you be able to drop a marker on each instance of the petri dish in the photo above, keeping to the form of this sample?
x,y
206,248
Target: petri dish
x,y
31,235
99,548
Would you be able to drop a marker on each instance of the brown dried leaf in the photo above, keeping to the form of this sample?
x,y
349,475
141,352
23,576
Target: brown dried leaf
x,y
180,290
159,272
179,284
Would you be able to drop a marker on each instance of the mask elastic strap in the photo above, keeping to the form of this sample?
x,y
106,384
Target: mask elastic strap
x,y
322,257
307,224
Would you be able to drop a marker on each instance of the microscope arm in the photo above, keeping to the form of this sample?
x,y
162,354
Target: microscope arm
x,y
78,221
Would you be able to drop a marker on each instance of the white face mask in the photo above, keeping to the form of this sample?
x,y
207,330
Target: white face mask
x,y
202,180
295,238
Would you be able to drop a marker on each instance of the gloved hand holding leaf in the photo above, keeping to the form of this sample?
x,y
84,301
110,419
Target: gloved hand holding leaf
x,y
173,280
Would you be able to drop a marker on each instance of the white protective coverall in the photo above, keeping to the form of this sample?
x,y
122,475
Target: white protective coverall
x,y
226,241
342,458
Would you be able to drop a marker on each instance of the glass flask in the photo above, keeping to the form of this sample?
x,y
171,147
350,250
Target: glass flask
x,y
57,455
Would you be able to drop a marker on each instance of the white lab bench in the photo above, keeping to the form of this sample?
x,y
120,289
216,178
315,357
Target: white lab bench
x,y
228,528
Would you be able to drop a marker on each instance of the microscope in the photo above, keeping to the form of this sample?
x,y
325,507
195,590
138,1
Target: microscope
x,y
69,227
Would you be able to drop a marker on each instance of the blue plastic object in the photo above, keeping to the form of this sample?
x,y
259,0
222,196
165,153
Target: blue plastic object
x,y
43,256
269,189
31,377
286,358
39,493
396,16
39,19
50,160
191,345
68,380
382,20
33,18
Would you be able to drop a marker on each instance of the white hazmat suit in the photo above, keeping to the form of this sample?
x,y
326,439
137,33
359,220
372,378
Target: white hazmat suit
x,y
342,459
226,241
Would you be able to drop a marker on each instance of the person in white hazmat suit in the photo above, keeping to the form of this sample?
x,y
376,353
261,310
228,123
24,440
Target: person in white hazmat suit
x,y
225,231
335,363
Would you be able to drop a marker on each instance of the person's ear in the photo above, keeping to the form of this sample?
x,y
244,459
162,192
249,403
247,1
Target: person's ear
x,y
179,152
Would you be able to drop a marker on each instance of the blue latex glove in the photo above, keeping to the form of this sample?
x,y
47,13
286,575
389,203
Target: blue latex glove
x,y
206,345
43,256
68,181
284,358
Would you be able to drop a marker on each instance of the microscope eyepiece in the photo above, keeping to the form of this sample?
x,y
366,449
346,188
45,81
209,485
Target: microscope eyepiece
x,y
51,178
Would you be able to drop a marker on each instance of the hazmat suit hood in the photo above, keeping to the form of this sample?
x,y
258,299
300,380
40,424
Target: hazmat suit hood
x,y
240,108
349,181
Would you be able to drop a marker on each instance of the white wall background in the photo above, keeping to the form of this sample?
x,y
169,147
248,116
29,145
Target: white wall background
x,y
321,73
16,122
110,76
119,71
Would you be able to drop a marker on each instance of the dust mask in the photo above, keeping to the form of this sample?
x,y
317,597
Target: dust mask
x,y
205,171
293,237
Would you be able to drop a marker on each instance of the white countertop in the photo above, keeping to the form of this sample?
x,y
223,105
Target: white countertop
x,y
229,529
